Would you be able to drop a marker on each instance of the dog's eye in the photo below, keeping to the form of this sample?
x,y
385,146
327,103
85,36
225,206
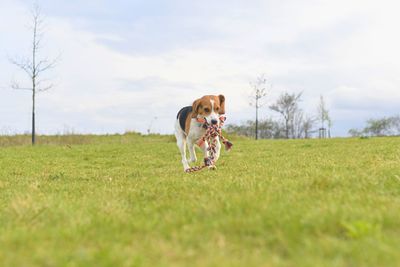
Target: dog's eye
x,y
207,110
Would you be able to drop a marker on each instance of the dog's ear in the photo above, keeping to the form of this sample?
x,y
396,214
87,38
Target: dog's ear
x,y
195,108
222,104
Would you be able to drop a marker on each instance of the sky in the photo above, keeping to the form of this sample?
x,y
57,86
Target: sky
x,y
131,65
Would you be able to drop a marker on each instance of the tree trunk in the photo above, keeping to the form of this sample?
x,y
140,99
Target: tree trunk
x,y
287,129
256,120
34,66
33,114
34,73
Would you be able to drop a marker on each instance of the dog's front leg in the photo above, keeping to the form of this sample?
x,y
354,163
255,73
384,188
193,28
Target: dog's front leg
x,y
192,150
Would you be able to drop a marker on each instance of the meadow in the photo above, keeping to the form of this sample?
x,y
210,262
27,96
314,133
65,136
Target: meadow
x,y
124,200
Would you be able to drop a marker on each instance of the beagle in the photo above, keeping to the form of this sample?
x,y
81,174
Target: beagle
x,y
190,125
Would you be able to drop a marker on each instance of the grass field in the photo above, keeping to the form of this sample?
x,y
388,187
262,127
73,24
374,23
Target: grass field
x,y
125,201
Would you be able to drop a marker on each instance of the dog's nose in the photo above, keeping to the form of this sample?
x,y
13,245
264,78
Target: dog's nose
x,y
214,121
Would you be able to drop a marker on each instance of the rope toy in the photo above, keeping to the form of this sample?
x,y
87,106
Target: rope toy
x,y
211,137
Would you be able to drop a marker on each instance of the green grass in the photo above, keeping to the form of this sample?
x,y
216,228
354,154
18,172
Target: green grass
x,y
125,201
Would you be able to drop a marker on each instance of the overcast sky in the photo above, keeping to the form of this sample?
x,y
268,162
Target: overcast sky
x,y
123,63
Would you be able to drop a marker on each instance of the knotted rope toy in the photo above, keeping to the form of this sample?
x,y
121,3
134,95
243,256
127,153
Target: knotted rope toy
x,y
211,137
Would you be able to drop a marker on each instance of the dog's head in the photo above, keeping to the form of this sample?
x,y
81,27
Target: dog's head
x,y
209,107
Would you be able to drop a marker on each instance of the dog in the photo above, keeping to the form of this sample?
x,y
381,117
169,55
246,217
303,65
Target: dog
x,y
190,126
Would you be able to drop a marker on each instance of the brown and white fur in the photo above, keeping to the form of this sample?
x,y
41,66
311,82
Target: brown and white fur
x,y
188,130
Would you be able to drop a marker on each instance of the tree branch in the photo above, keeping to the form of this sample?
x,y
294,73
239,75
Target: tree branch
x,y
44,89
16,86
23,64
44,65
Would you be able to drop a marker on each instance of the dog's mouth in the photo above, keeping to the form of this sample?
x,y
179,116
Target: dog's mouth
x,y
212,120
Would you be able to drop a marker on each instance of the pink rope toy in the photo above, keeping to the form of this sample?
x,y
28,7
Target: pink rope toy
x,y
210,136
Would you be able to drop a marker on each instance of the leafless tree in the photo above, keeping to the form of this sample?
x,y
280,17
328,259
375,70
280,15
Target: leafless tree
x,y
330,123
322,112
259,91
34,66
296,127
288,106
308,126
151,124
323,116
301,126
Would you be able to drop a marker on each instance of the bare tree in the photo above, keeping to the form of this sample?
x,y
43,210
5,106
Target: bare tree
x,y
259,87
330,123
288,106
151,124
296,127
301,126
323,116
34,66
308,125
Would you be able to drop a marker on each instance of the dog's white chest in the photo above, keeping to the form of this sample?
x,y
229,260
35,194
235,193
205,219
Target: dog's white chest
x,y
196,130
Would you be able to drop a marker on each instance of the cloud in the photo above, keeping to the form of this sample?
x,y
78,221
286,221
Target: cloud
x,y
126,62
